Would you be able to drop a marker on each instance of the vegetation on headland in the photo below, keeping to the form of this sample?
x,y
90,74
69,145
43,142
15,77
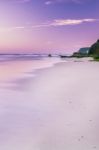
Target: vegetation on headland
x,y
83,52
92,51
96,58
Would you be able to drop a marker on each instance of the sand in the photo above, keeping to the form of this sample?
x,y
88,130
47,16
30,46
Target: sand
x,y
58,109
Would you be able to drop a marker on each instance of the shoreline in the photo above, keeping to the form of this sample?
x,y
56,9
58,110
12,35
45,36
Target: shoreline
x,y
31,75
26,74
58,109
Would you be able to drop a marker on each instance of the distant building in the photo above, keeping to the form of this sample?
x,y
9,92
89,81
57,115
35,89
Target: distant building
x,y
84,50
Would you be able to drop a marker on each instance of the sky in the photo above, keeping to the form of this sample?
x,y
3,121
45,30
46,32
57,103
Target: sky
x,y
48,26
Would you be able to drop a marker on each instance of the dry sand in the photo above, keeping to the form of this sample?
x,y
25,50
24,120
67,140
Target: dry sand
x,y
58,109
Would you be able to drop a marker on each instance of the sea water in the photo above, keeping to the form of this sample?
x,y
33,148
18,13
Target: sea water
x,y
20,122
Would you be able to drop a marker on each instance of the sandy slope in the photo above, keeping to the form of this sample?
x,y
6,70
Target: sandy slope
x,y
56,110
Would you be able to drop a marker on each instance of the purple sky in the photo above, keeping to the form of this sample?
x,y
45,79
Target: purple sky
x,y
47,26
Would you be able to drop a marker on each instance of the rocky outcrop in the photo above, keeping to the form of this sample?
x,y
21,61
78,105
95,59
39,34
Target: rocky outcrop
x,y
94,49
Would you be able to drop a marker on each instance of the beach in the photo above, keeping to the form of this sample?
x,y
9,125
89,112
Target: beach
x,y
52,107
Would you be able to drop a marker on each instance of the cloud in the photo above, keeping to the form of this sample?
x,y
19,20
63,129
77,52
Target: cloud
x,y
54,23
7,29
49,2
18,27
21,1
64,22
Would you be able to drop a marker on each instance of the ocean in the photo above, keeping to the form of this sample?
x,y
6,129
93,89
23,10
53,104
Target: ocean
x,y
17,105
22,67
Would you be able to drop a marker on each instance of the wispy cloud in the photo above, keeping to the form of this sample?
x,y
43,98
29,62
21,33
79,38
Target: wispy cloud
x,y
15,28
49,2
54,23
18,27
21,1
64,22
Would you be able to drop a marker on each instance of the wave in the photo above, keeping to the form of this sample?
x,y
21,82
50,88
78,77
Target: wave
x,y
9,57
